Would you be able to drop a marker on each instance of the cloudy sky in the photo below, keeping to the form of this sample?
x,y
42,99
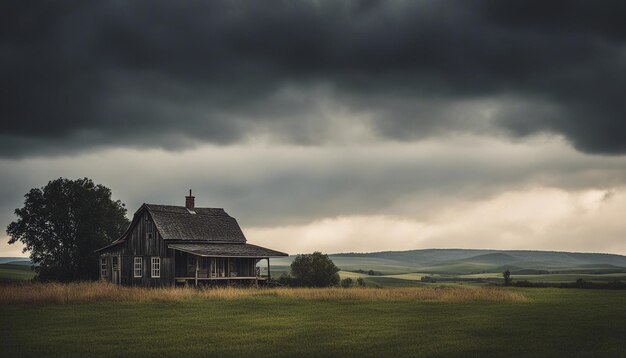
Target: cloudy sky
x,y
328,125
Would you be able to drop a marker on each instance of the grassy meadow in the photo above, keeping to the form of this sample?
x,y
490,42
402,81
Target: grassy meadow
x,y
12,272
102,320
86,292
463,314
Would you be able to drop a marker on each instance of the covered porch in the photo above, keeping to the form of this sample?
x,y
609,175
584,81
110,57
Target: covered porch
x,y
219,264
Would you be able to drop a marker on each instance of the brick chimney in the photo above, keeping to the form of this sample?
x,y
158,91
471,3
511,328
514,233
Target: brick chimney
x,y
190,201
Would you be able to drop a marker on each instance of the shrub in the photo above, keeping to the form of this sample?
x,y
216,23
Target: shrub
x,y
287,280
346,282
315,270
360,282
507,277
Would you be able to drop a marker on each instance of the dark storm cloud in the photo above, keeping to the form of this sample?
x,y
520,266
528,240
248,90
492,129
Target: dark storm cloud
x,y
82,74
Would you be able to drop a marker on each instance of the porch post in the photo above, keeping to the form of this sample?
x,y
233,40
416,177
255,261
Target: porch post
x,y
196,271
173,283
269,275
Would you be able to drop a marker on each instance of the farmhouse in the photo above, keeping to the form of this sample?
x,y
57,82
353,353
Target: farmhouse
x,y
169,245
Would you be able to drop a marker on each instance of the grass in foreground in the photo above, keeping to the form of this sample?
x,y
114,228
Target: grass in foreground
x,y
96,291
552,323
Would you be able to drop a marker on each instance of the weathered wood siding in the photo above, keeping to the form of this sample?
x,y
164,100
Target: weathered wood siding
x,y
146,242
143,241
110,255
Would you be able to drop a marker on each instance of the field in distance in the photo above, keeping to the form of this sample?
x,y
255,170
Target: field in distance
x,y
16,271
406,268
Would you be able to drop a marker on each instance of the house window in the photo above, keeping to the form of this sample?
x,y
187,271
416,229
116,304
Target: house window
x,y
156,267
138,267
149,228
103,267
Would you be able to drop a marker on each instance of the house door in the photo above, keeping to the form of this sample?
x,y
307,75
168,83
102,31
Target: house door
x,y
116,276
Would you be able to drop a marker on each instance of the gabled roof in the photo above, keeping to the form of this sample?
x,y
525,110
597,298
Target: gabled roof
x,y
203,232
207,224
226,250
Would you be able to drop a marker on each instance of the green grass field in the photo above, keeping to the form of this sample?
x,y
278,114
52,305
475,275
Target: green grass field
x,y
553,323
414,279
10,272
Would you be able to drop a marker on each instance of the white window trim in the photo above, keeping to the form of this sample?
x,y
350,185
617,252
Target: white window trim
x,y
138,266
156,267
104,272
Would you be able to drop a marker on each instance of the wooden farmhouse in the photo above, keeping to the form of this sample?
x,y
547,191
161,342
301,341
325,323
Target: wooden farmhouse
x,y
169,245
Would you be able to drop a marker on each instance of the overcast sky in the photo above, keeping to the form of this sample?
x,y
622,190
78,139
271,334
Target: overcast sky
x,y
335,126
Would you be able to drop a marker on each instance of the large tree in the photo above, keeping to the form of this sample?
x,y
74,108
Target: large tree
x,y
315,270
63,223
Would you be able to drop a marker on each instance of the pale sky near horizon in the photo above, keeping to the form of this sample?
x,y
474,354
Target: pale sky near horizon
x,y
352,126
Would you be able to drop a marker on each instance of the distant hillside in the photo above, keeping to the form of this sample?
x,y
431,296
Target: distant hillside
x,y
19,263
15,260
498,258
10,266
465,261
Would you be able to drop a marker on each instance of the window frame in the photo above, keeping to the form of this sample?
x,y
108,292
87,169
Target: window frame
x,y
149,228
138,266
104,267
155,267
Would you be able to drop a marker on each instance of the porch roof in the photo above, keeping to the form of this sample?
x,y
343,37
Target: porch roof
x,y
226,250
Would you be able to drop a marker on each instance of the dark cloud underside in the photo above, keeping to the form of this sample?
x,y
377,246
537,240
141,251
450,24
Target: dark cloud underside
x,y
80,74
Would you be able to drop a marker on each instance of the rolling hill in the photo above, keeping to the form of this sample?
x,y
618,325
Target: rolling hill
x,y
15,260
469,261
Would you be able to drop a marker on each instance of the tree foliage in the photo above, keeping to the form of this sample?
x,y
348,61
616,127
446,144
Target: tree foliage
x,y
315,270
507,277
62,224
347,282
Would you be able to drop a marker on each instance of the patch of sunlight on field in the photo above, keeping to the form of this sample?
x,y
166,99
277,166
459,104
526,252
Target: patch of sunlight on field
x,y
352,275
